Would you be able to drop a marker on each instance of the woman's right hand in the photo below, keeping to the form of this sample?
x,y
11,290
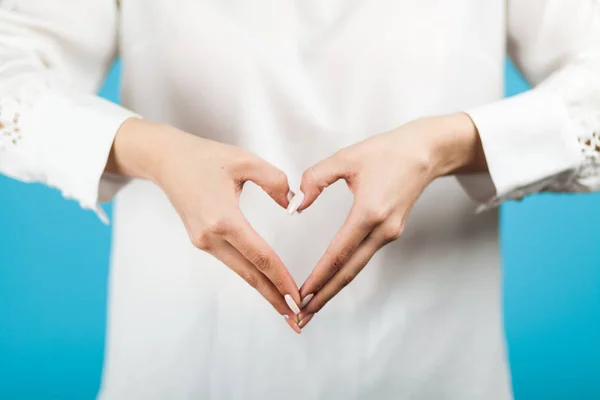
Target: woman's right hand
x,y
203,180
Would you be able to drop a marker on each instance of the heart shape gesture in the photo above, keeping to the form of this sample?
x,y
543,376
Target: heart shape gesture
x,y
386,174
203,179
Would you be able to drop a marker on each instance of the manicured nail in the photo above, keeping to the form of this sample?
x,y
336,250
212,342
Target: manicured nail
x,y
290,196
306,300
292,324
295,203
291,304
305,320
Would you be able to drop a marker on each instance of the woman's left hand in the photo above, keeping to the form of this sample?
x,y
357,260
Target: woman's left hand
x,y
386,174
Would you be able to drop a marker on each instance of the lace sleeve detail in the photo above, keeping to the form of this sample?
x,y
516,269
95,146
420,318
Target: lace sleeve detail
x,y
590,148
586,178
10,128
54,129
546,139
579,89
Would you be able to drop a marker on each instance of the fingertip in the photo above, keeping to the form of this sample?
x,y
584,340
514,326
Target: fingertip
x,y
306,299
295,203
303,314
304,321
283,197
305,290
292,324
279,197
308,187
297,297
292,304
313,307
273,181
309,197
290,196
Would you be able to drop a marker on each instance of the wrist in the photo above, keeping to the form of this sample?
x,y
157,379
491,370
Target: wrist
x,y
139,149
455,145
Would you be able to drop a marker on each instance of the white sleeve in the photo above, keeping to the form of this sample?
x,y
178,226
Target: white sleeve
x,y
53,128
548,138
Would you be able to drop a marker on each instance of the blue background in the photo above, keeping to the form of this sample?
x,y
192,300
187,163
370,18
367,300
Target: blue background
x,y
53,278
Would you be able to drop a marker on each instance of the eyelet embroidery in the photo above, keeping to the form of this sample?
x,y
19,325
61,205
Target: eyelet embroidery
x,y
590,148
571,181
10,128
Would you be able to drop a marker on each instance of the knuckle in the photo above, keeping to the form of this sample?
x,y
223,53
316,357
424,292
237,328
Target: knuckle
x,y
277,281
201,241
251,278
346,278
392,232
262,262
314,177
280,178
218,226
278,184
339,260
336,264
375,215
422,163
309,177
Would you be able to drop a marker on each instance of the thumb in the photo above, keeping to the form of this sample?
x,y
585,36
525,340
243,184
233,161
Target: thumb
x,y
271,179
321,175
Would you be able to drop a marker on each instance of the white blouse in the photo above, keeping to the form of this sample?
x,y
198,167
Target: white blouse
x,y
54,56
276,78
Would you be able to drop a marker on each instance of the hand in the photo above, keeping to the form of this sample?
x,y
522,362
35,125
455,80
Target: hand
x,y
386,174
203,179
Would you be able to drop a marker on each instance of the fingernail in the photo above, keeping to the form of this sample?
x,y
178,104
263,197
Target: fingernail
x,y
305,320
306,300
290,196
292,324
291,304
295,203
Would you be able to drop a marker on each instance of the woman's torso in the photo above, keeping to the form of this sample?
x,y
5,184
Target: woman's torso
x,y
293,82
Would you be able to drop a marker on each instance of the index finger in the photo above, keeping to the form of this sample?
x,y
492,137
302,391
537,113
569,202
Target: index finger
x,y
256,250
352,233
244,268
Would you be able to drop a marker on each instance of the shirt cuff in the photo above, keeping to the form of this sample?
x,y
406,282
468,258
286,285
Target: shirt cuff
x,y
528,141
70,137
